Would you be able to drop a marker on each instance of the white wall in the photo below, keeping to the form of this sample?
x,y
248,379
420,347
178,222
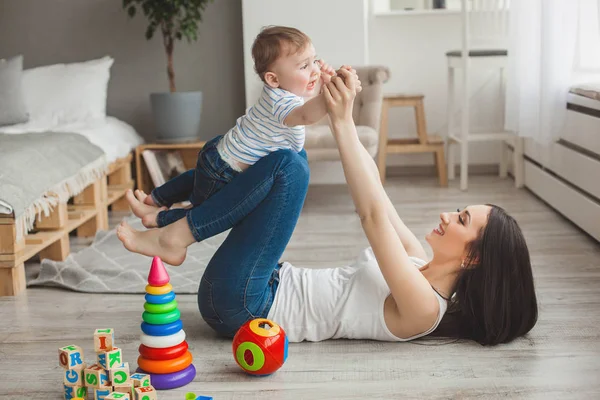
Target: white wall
x,y
338,29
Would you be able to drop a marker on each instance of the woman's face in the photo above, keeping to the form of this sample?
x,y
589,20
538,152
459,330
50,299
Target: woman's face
x,y
456,230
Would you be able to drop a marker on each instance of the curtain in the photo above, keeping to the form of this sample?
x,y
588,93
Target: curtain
x,y
542,49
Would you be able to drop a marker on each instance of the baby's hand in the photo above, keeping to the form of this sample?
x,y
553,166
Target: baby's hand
x,y
327,72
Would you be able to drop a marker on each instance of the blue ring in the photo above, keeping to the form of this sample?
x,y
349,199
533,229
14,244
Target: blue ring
x,y
160,298
162,330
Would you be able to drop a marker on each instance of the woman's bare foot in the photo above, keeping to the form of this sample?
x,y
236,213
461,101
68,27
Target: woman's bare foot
x,y
143,211
153,242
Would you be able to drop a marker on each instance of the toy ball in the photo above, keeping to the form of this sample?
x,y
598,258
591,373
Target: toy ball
x,y
260,347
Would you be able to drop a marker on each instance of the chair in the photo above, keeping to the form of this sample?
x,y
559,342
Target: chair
x,y
320,144
484,46
423,143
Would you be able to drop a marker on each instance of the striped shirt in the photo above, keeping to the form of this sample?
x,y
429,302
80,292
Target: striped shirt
x,y
261,130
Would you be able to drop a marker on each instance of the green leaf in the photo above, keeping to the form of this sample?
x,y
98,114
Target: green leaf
x,y
131,11
150,31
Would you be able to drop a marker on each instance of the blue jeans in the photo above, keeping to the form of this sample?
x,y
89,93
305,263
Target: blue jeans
x,y
262,206
195,185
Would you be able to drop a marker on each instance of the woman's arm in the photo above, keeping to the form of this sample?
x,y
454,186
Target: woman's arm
x,y
410,242
411,291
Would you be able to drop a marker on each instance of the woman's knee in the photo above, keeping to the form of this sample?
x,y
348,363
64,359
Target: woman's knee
x,y
293,164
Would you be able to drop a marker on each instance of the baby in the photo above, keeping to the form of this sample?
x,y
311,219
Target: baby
x,y
286,62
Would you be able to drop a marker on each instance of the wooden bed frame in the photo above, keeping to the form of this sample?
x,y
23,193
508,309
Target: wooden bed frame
x,y
86,214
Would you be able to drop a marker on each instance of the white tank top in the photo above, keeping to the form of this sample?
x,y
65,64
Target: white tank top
x,y
332,303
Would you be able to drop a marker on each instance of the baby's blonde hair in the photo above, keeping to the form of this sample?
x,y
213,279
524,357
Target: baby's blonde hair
x,y
274,41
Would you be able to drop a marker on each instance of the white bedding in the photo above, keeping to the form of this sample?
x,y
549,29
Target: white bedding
x,y
115,137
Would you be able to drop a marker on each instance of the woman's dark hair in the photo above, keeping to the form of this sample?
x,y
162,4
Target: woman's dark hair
x,y
495,299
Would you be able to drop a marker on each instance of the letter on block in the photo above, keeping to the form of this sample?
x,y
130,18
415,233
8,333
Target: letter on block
x,y
140,380
126,387
102,393
104,339
145,393
96,377
120,374
115,395
74,377
70,357
72,392
110,359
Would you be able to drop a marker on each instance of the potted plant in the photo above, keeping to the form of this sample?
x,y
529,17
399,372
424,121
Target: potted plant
x,y
176,114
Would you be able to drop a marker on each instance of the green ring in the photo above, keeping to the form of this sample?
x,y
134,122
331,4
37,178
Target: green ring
x,y
160,308
161,319
257,353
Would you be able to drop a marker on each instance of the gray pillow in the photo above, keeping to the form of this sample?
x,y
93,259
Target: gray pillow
x,y
12,104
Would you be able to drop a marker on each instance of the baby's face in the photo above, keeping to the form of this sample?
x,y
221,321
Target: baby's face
x,y
299,73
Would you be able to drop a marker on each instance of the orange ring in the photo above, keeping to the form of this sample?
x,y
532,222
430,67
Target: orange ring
x,y
165,366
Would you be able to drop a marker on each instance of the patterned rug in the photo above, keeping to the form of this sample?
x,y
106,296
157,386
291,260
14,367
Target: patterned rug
x,y
108,267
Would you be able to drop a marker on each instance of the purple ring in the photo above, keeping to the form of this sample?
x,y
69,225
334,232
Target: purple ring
x,y
172,380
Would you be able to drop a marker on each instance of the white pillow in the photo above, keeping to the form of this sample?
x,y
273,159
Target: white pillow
x,y
62,93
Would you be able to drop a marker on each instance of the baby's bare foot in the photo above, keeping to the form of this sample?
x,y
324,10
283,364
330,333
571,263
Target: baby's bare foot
x,y
144,198
146,212
151,243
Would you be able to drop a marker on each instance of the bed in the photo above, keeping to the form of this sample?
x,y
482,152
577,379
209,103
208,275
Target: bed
x,y
115,137
66,110
566,174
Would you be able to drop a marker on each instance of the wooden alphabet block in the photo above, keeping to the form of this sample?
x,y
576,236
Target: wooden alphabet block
x,y
126,387
102,393
110,359
119,374
96,377
140,380
104,339
73,392
120,396
74,377
145,393
70,357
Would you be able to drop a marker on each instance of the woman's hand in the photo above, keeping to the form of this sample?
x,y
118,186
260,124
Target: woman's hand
x,y
340,93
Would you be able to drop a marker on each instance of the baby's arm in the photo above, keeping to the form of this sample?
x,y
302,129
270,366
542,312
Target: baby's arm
x,y
308,113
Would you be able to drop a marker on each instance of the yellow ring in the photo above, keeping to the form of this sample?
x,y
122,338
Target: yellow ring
x,y
255,327
157,290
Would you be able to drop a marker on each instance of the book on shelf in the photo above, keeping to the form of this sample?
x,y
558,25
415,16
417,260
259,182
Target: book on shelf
x,y
163,165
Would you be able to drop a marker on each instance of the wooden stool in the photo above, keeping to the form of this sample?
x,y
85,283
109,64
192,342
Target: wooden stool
x,y
422,144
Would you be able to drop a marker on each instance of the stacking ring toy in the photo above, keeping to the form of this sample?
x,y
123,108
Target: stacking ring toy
x,y
173,380
166,353
160,342
157,290
165,366
162,330
161,319
160,308
160,298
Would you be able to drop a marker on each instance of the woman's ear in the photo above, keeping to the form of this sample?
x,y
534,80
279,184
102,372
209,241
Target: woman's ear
x,y
470,261
271,79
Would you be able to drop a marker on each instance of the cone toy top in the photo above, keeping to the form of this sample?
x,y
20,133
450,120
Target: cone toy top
x,y
158,275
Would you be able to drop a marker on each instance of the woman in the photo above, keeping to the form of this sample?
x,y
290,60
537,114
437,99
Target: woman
x,y
478,285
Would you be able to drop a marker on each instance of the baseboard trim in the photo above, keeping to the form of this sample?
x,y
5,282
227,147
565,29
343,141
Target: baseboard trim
x,y
430,170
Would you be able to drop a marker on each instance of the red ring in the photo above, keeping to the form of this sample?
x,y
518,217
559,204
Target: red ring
x,y
167,353
165,366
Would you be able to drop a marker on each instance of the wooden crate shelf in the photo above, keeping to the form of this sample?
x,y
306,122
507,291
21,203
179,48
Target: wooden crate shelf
x,y
87,214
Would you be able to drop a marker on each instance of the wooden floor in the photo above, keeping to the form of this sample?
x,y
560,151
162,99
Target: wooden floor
x,y
559,360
